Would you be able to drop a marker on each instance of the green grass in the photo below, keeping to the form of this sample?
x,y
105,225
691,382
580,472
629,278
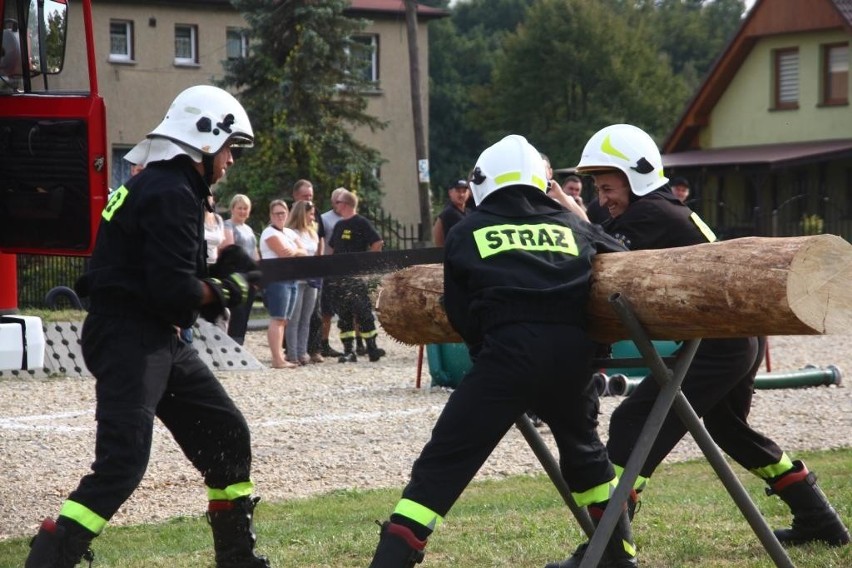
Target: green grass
x,y
686,519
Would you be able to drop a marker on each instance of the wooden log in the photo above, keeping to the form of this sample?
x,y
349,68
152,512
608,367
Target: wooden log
x,y
742,287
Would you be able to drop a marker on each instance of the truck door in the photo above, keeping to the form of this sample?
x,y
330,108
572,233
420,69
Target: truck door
x,y
53,168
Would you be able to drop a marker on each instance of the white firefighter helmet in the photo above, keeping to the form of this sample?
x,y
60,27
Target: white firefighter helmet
x,y
629,149
511,161
204,118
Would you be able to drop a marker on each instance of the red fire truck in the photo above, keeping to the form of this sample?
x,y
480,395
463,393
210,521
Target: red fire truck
x,y
53,160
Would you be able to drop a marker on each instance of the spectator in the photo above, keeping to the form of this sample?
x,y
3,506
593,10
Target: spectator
x,y
301,221
237,232
680,188
350,297
554,191
214,236
520,310
146,278
453,212
326,226
303,190
277,241
573,187
720,381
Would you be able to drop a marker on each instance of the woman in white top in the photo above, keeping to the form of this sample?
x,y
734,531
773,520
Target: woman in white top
x,y
276,241
301,221
214,232
237,232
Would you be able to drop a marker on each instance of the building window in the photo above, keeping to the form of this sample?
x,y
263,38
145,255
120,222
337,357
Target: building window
x,y
786,78
236,43
120,40
366,53
186,45
835,75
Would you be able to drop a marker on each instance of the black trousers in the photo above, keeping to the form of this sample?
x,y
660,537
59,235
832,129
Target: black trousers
x,y
350,300
315,333
143,370
719,385
543,367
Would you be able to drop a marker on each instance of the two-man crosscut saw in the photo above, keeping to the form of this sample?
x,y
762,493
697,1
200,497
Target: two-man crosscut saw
x,y
346,264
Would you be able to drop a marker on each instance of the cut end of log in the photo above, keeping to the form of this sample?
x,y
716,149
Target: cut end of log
x,y
818,285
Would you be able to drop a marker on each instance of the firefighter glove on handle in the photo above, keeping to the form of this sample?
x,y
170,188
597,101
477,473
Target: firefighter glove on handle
x,y
229,292
814,519
398,547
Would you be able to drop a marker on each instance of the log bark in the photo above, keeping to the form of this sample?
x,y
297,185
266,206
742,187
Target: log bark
x,y
743,287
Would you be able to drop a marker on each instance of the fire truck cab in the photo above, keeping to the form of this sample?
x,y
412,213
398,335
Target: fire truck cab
x,y
53,160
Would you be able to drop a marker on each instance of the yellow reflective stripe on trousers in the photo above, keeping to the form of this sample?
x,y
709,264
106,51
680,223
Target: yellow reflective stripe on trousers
x,y
540,237
83,516
418,513
784,465
638,485
702,226
597,494
347,334
369,334
231,492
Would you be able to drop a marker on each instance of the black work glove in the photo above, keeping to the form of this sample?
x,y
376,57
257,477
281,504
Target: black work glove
x,y
232,259
230,292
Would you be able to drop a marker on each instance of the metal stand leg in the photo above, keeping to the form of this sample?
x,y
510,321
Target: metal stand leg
x,y
551,466
670,395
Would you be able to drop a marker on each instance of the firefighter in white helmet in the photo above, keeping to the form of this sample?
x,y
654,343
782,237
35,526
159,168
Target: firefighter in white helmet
x,y
628,172
516,284
147,278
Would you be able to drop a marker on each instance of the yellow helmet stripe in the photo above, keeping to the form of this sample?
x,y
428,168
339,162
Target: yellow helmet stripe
x,y
608,148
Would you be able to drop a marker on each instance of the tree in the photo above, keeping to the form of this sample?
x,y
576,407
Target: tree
x,y
462,50
302,89
573,67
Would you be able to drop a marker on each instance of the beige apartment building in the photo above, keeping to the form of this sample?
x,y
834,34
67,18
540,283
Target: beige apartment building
x,y
148,51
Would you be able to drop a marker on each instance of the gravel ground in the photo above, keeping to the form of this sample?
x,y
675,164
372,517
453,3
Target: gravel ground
x,y
332,426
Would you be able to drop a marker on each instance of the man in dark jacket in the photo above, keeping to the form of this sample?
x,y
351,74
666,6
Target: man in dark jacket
x,y
147,279
644,214
516,283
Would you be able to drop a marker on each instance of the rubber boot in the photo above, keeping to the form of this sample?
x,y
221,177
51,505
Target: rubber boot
x,y
60,546
814,519
374,352
397,548
233,533
620,551
328,351
348,355
360,349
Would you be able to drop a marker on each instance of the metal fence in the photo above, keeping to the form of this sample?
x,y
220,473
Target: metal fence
x,y
38,275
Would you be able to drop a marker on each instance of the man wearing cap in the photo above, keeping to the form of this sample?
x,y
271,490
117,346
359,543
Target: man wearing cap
x,y
454,211
680,188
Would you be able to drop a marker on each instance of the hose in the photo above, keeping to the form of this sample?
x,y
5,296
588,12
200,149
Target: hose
x,y
810,376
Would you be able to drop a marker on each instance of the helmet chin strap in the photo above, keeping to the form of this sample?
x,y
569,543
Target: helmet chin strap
x,y
207,162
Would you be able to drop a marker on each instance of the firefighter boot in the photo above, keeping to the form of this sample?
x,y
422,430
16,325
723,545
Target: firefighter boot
x,y
814,519
348,355
374,351
398,547
620,551
233,533
60,546
360,349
